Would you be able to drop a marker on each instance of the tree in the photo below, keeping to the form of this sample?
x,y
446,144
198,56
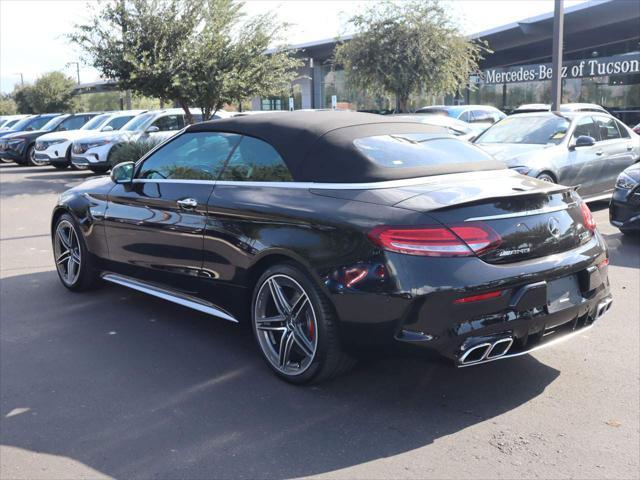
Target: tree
x,y
22,96
408,47
7,105
52,92
193,52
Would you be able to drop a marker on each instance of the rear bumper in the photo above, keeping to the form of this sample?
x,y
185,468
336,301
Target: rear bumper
x,y
532,310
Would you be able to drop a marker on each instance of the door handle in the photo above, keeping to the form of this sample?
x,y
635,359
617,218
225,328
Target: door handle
x,y
188,203
629,148
599,152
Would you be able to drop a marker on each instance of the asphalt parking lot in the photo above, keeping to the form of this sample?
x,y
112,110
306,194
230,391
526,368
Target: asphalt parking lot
x,y
118,384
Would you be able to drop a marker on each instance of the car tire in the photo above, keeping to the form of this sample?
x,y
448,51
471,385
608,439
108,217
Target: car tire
x,y
74,263
6,160
31,157
302,344
545,177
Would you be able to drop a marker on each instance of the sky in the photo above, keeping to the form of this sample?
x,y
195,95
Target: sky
x,y
32,32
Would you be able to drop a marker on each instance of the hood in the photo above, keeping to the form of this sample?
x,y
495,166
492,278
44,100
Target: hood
x,y
97,136
633,171
67,135
24,134
515,154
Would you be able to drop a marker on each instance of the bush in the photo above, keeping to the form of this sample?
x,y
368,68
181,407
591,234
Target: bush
x,y
130,151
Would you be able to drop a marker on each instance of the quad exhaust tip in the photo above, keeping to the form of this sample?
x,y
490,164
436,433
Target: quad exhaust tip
x,y
603,307
486,351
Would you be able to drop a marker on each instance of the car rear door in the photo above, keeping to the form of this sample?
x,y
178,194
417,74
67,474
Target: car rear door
x,y
616,153
583,163
167,125
155,225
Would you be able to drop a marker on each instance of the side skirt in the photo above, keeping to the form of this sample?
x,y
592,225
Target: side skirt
x,y
171,296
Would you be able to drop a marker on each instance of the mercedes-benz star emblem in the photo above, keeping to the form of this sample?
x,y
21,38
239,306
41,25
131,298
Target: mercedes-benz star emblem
x,y
554,227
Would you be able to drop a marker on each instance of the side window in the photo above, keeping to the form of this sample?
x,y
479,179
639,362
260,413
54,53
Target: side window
x,y
608,128
118,122
256,161
586,127
191,156
465,116
480,116
624,133
169,123
73,123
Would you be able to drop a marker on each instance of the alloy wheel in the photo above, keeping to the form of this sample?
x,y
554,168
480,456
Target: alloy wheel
x,y
32,158
67,252
286,324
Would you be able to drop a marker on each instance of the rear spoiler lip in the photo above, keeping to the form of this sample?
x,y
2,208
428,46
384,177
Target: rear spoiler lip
x,y
552,189
526,213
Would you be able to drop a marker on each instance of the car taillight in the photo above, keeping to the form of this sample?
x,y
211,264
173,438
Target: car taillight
x,y
587,218
436,241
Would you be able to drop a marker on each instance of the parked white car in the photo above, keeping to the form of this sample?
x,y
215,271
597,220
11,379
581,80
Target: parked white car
x,y
7,121
55,148
155,126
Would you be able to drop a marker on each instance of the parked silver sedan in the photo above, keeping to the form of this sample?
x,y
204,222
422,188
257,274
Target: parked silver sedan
x,y
582,149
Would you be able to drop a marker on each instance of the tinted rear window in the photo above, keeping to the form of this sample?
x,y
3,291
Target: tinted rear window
x,y
411,150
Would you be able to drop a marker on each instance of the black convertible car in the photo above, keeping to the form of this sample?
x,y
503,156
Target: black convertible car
x,y
335,230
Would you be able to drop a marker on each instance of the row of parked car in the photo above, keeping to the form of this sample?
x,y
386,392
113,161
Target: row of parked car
x,y
582,145
85,140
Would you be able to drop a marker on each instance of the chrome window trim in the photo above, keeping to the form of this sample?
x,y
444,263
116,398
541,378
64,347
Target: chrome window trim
x,y
407,182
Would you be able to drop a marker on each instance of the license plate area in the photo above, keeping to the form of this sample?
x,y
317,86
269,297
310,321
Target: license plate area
x,y
563,293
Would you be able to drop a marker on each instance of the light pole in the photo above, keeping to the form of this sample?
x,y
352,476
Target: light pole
x,y
21,78
77,69
556,57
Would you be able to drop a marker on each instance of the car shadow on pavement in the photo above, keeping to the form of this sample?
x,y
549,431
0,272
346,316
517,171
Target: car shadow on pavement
x,y
624,249
135,387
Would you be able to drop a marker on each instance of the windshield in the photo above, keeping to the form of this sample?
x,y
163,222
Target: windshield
x,y
406,150
117,122
137,122
536,130
52,123
25,122
96,122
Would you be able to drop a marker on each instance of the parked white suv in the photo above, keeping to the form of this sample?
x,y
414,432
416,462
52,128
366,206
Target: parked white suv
x,y
155,126
55,148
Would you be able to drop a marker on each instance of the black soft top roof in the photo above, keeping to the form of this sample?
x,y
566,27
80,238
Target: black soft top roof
x,y
318,146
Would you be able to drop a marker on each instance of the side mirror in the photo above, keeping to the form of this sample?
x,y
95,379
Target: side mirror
x,y
108,128
123,172
152,129
584,141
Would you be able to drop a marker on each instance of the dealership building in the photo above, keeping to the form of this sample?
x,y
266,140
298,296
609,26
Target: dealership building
x,y
601,65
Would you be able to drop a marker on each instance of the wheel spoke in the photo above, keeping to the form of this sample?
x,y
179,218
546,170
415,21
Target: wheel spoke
x,y
299,305
71,269
63,257
303,342
279,298
286,342
64,240
267,324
